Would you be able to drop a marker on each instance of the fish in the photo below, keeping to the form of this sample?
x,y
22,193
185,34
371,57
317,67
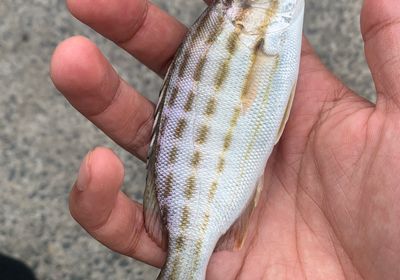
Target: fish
x,y
222,108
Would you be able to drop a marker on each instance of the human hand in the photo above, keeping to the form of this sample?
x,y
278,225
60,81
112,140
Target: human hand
x,y
329,206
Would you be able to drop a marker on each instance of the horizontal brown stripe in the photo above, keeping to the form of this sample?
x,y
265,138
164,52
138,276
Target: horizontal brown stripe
x,y
199,68
202,134
185,218
180,242
222,74
212,191
228,140
189,102
174,94
221,165
173,155
196,159
168,185
182,124
190,187
184,63
211,107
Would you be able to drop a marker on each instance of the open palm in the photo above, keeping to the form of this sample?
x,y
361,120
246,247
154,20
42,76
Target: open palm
x,y
329,208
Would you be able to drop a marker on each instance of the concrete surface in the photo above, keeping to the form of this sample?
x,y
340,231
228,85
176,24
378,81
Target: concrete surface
x,y
42,139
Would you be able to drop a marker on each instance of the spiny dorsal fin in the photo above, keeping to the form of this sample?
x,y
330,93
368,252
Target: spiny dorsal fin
x,y
235,237
286,115
151,209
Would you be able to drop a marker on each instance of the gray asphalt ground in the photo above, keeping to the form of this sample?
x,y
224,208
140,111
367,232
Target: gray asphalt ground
x,y
43,139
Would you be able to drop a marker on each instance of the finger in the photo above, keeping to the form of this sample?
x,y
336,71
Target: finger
x,y
107,214
84,76
380,24
138,26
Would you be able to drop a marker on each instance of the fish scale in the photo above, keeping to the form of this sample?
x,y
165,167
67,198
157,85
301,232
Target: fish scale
x,y
222,108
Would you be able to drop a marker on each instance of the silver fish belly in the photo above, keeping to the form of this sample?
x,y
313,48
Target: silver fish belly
x,y
222,108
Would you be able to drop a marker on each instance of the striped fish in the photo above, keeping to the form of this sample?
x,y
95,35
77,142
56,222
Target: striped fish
x,y
223,106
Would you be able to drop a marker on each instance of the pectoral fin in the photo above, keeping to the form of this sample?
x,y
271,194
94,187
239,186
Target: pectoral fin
x,y
235,237
286,115
260,63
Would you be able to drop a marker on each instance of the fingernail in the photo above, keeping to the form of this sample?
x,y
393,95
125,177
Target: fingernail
x,y
84,173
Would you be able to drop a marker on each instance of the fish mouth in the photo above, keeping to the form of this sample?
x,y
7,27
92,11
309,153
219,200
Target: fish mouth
x,y
286,6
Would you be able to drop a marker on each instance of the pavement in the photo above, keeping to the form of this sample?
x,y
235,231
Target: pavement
x,y
43,139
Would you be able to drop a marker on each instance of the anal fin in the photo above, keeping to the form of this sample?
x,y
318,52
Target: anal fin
x,y
235,237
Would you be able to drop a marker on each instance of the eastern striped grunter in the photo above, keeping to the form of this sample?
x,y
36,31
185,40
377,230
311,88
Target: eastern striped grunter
x,y
223,106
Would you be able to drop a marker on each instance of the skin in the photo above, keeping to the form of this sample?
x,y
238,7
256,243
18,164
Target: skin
x,y
329,208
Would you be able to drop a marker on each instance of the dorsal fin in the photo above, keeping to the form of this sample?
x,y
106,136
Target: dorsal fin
x,y
235,237
151,209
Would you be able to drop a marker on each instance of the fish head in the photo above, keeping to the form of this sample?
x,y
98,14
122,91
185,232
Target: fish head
x,y
263,16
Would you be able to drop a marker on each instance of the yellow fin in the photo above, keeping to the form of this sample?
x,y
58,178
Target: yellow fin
x,y
235,237
286,115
